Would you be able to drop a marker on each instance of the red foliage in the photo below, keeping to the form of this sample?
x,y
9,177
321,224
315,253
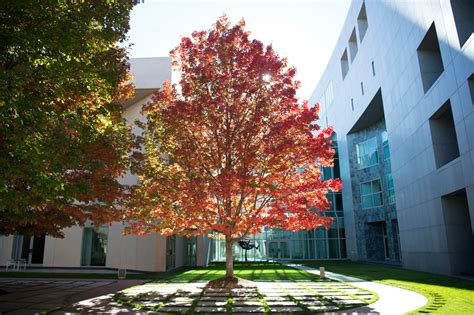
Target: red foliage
x,y
233,150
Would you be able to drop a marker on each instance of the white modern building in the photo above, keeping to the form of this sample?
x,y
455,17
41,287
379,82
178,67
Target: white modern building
x,y
106,246
399,90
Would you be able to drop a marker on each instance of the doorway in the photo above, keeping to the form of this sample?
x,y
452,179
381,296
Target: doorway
x,y
29,248
278,250
190,251
459,235
170,252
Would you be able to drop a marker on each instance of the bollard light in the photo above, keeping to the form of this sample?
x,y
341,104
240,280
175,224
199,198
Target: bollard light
x,y
322,272
122,274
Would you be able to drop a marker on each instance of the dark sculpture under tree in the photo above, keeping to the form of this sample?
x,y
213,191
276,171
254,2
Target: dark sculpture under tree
x,y
248,245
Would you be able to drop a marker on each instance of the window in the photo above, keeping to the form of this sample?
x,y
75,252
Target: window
x,y
344,64
362,87
352,104
338,201
367,153
462,13
327,173
443,135
373,69
429,58
371,194
391,189
362,22
94,246
353,45
385,148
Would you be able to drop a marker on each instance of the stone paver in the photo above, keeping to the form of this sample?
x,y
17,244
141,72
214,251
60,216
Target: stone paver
x,y
277,296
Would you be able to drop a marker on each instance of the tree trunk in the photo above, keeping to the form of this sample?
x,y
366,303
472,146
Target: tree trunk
x,y
229,259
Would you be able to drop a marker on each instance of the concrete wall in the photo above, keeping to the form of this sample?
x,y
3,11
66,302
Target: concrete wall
x,y
202,250
395,31
6,243
135,252
58,252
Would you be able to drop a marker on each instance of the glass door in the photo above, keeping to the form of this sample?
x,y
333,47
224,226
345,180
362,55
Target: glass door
x,y
29,248
273,250
170,252
284,250
278,250
190,251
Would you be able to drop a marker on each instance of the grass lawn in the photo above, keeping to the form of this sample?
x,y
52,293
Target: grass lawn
x,y
254,271
446,295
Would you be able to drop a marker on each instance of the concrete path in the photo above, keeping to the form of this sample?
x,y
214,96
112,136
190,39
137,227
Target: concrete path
x,y
392,300
33,296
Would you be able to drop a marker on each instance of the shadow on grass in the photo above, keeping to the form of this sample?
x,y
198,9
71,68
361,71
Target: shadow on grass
x,y
261,271
255,271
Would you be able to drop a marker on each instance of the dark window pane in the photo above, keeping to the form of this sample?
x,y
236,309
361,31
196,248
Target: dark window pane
x,y
333,248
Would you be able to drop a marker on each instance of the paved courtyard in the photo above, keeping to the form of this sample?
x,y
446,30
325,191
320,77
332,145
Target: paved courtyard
x,y
274,296
32,296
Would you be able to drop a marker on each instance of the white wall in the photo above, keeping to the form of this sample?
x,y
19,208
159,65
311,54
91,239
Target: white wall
x,y
65,252
6,243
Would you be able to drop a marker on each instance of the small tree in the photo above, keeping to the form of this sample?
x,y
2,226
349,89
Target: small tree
x,y
63,142
233,150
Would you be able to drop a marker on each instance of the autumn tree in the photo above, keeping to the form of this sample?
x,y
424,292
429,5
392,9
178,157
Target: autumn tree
x,y
232,150
63,143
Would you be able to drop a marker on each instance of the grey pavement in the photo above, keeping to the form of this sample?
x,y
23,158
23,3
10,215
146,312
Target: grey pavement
x,y
392,300
36,296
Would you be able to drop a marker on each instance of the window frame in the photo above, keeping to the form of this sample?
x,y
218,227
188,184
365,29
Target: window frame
x,y
371,194
390,190
360,166
385,145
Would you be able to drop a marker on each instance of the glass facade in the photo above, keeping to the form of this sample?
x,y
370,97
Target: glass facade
x,y
94,246
273,244
286,245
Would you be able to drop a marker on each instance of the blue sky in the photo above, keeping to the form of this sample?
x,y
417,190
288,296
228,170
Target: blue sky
x,y
304,31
